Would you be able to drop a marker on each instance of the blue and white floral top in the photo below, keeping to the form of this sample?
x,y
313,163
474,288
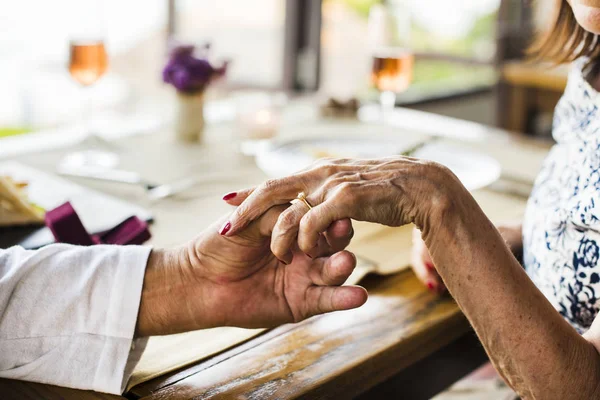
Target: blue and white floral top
x,y
561,229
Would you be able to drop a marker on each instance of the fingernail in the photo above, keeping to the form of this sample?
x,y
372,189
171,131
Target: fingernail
x,y
429,266
225,228
430,285
229,196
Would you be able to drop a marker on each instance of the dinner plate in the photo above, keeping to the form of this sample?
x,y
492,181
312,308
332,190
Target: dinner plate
x,y
285,157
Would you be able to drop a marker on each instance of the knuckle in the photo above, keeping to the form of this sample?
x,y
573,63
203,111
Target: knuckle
x,y
346,190
328,169
277,249
269,185
306,223
286,220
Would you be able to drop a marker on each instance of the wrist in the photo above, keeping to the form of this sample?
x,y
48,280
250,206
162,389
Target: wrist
x,y
447,202
166,295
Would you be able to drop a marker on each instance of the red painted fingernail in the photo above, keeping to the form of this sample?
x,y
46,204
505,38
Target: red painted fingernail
x,y
229,196
430,285
225,228
429,266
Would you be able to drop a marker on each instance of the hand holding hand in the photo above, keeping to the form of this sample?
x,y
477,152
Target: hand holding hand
x,y
237,281
392,191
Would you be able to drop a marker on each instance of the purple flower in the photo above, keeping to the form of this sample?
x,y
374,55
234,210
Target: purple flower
x,y
188,73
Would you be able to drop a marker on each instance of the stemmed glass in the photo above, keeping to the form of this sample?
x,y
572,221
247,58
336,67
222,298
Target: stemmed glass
x,y
393,60
88,62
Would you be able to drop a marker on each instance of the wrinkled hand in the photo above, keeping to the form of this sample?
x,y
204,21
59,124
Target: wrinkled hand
x,y
392,191
237,281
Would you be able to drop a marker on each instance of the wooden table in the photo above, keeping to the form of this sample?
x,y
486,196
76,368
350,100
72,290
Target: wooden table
x,y
405,340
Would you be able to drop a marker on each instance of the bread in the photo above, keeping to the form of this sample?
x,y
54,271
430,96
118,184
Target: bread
x,y
15,208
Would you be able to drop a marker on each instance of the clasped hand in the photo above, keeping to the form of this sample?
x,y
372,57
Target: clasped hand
x,y
237,281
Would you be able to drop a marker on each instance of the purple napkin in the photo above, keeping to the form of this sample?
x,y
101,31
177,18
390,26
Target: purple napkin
x,y
66,227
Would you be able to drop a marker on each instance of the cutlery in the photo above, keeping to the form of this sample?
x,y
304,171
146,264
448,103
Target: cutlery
x,y
155,191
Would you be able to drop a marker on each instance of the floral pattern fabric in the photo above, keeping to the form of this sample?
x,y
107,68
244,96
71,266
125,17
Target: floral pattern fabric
x,y
561,229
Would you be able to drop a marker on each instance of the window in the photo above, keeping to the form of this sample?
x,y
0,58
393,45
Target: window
x,y
454,42
37,91
250,33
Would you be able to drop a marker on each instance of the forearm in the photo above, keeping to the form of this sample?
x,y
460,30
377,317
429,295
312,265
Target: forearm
x,y
512,233
539,353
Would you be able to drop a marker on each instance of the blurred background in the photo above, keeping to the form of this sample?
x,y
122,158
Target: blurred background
x,y
468,57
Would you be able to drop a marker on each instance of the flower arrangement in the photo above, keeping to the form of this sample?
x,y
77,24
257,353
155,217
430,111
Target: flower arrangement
x,y
189,73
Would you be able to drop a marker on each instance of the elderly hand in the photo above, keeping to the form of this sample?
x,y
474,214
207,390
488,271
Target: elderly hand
x,y
391,191
236,281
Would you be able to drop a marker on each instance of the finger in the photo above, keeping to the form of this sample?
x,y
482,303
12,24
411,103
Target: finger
x,y
318,220
263,227
324,299
423,266
285,231
429,277
267,195
339,234
237,198
335,239
334,270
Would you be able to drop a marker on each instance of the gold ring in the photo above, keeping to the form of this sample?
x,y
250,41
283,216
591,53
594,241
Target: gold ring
x,y
302,198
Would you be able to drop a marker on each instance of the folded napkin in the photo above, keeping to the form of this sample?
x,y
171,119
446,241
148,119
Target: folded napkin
x,y
65,225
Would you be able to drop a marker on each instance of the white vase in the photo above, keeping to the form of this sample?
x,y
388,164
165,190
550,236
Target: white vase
x,y
189,117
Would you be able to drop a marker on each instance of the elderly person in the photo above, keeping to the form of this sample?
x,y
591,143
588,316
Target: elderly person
x,y
538,324
69,315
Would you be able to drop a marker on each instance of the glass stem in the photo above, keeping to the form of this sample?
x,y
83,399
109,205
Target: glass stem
x,y
388,102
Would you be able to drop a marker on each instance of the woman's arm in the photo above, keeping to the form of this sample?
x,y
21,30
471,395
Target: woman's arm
x,y
539,353
533,347
512,233
423,265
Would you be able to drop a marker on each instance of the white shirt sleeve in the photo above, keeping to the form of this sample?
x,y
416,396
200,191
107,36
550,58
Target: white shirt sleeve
x,y
68,314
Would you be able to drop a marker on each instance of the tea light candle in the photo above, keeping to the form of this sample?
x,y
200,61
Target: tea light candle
x,y
260,124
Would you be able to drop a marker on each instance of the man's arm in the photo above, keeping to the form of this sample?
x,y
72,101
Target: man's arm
x,y
533,347
68,314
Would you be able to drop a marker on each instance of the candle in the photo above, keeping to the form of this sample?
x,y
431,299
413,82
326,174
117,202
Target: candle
x,y
260,124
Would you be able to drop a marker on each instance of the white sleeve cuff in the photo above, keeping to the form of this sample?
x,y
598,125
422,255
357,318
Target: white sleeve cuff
x,y
115,365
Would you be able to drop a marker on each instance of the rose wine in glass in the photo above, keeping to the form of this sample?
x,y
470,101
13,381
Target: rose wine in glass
x,y
88,61
392,73
392,60
87,64
392,70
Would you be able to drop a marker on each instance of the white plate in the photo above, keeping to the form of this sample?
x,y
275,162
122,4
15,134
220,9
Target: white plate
x,y
475,170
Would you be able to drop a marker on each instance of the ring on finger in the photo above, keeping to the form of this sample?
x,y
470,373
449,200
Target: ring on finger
x,y
302,198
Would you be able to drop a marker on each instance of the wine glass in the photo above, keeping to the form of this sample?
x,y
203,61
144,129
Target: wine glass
x,y
393,60
88,62
391,73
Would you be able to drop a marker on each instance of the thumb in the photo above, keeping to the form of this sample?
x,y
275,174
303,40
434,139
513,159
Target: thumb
x,y
324,299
